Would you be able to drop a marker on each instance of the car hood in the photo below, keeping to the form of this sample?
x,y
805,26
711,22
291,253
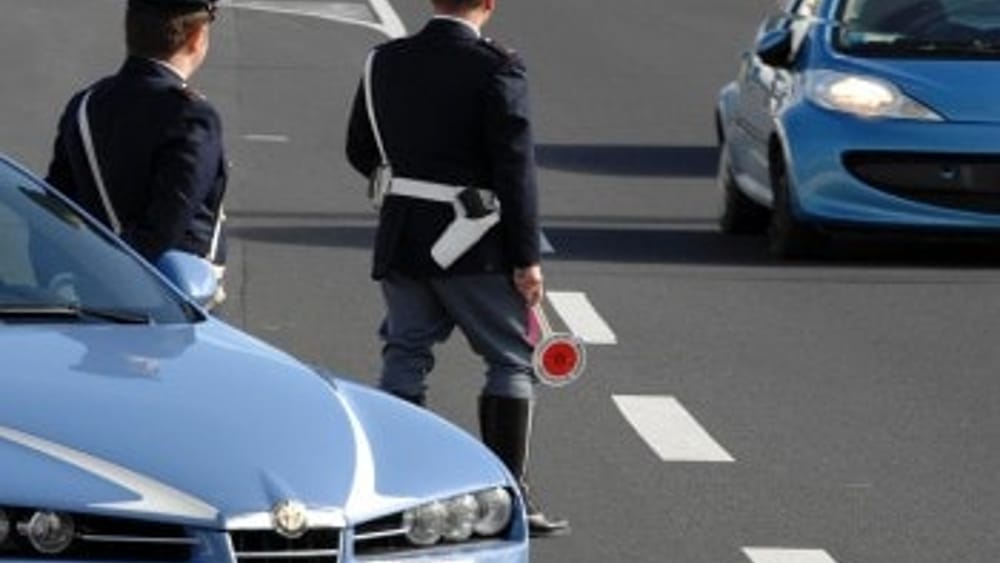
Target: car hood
x,y
959,90
204,424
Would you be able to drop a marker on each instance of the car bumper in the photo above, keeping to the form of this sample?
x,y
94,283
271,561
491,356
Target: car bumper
x,y
892,173
498,552
216,547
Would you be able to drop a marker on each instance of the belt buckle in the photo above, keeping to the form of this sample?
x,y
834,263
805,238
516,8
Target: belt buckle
x,y
474,202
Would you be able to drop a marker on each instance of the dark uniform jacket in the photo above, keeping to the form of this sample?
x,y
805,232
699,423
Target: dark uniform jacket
x,y
159,146
452,108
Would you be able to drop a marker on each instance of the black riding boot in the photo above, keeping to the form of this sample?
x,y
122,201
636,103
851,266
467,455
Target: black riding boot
x,y
505,425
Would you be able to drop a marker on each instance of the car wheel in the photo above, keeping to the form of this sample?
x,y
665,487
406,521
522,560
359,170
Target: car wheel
x,y
739,215
789,238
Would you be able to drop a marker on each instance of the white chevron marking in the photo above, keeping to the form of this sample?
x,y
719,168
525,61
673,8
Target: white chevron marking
x,y
154,497
377,14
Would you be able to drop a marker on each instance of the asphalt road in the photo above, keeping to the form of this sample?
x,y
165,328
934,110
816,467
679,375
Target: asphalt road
x,y
854,396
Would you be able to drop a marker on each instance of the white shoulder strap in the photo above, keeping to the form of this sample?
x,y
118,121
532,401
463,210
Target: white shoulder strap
x,y
370,104
213,249
95,168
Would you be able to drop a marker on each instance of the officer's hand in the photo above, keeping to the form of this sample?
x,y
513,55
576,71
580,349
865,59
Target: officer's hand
x,y
529,282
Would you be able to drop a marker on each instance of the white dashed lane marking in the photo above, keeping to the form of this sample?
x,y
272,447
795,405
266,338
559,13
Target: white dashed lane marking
x,y
669,429
786,555
580,317
263,138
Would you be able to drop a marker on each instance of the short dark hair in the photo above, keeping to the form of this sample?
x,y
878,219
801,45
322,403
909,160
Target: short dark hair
x,y
457,4
159,33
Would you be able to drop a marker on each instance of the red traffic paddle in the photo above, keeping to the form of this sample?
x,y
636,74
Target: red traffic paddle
x,y
559,358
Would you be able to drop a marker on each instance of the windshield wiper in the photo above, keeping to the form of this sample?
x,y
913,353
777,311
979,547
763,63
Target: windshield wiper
x,y
70,311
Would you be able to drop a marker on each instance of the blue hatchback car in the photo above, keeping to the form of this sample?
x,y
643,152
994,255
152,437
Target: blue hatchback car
x,y
136,427
864,114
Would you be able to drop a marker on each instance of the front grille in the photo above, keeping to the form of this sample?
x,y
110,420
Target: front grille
x,y
955,181
107,539
319,545
381,536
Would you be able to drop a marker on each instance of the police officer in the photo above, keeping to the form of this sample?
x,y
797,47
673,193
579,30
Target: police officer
x,y
445,114
141,149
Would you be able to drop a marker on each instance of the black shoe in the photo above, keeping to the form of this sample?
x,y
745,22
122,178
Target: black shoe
x,y
540,526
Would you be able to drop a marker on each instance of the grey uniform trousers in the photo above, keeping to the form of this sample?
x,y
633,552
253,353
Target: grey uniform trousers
x,y
423,312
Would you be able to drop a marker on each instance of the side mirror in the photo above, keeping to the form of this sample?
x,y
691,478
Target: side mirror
x,y
191,274
775,48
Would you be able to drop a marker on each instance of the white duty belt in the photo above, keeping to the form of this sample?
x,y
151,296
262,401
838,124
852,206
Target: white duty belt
x,y
476,211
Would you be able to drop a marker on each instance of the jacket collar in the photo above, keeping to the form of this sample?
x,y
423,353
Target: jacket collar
x,y
472,27
450,27
138,66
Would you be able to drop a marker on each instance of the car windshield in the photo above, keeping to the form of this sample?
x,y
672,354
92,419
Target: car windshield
x,y
920,28
55,266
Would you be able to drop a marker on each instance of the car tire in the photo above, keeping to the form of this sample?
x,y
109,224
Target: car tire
x,y
788,237
739,215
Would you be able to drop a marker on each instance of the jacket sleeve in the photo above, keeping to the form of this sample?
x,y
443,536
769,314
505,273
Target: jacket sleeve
x,y
362,150
60,173
185,168
512,161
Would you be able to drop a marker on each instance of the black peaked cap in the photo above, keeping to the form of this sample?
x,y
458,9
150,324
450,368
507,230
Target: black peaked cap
x,y
175,4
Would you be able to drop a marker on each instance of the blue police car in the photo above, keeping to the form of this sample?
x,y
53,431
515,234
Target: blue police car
x,y
864,114
136,427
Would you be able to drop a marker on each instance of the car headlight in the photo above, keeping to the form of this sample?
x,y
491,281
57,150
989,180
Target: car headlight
x,y
424,525
495,511
463,514
485,513
864,96
469,517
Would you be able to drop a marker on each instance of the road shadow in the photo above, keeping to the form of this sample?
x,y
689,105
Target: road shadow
x,y
595,244
692,240
326,216
630,160
707,246
900,250
306,235
675,245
